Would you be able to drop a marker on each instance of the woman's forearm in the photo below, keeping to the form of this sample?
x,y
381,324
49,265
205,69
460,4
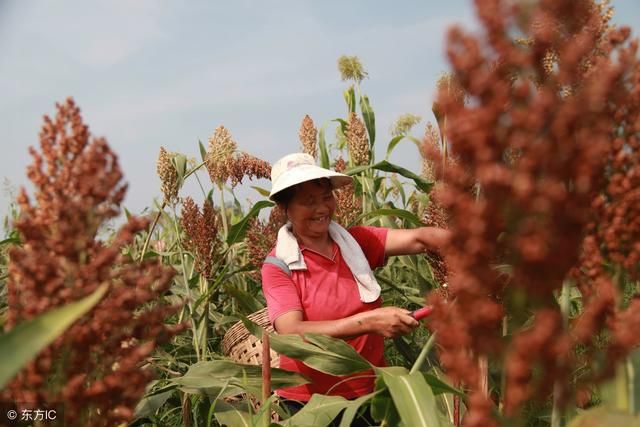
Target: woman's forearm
x,y
346,328
386,321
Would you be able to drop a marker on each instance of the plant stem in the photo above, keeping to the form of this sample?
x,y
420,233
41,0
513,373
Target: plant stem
x,y
423,354
556,413
204,336
194,170
186,284
153,226
204,193
223,212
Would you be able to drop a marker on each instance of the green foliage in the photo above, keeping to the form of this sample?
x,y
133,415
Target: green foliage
x,y
22,343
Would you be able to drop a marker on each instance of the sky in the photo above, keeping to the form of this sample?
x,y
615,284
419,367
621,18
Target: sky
x,y
152,73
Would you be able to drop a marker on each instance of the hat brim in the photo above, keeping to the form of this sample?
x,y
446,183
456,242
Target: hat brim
x,y
304,173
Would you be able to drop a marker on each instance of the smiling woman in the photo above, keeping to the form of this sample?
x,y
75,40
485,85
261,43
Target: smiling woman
x,y
319,277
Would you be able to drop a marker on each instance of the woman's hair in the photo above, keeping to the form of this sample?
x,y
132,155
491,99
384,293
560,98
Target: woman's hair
x,y
283,198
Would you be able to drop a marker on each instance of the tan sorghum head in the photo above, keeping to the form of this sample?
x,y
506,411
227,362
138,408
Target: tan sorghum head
x,y
357,140
308,136
168,176
219,157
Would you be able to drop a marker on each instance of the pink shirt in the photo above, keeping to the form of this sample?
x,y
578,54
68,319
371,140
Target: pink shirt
x,y
327,291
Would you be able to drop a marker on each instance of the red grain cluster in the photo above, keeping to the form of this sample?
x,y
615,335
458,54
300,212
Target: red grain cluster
x,y
549,125
201,229
96,368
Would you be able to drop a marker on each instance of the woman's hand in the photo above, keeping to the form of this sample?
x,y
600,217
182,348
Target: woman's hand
x,y
390,322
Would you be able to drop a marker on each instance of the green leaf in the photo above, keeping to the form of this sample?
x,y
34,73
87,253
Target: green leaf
x,y
239,230
246,302
350,411
392,145
330,359
152,402
24,342
439,387
214,376
399,186
12,240
179,162
369,119
412,397
203,151
385,166
322,144
232,415
383,409
400,213
350,99
344,126
263,192
318,412
604,416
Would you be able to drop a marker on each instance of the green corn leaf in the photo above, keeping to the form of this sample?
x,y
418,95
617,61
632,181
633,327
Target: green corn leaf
x,y
152,402
406,215
232,415
203,151
351,410
179,162
369,119
263,192
383,409
331,358
344,126
25,341
412,397
392,145
246,302
604,416
385,166
214,377
322,144
239,230
350,98
318,412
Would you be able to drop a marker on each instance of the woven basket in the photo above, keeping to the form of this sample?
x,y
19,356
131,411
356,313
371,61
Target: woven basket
x,y
240,346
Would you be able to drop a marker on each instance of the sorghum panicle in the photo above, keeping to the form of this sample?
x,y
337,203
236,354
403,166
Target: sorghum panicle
x,y
201,229
531,210
357,140
224,162
94,368
348,205
308,136
168,176
261,237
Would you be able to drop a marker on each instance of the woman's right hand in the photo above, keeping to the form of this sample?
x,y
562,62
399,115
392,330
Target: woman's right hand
x,y
391,322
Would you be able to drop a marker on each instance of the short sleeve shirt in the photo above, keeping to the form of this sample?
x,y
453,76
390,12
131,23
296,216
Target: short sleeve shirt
x,y
327,290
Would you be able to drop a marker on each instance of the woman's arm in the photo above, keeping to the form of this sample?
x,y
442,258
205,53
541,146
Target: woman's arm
x,y
389,322
414,240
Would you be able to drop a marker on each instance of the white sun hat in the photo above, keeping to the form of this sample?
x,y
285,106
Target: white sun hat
x,y
297,168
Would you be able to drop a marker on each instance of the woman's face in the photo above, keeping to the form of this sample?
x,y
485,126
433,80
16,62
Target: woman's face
x,y
311,208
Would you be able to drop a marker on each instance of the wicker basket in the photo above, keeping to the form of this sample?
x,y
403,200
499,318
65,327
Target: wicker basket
x,y
240,346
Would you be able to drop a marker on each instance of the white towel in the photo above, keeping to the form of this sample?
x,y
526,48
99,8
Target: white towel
x,y
288,250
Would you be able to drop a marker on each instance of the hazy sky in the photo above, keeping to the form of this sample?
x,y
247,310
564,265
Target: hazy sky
x,y
159,73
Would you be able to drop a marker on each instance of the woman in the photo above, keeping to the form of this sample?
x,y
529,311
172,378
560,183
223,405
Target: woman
x,y
318,277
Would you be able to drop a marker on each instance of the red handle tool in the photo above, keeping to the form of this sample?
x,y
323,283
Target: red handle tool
x,y
421,313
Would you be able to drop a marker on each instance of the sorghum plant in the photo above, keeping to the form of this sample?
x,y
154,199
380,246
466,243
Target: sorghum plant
x,y
548,150
308,136
96,369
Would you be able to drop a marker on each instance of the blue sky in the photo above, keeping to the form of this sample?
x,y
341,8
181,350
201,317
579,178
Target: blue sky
x,y
158,73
